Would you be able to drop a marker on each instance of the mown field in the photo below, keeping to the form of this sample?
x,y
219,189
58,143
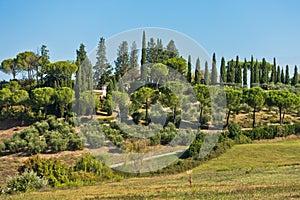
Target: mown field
x,y
265,170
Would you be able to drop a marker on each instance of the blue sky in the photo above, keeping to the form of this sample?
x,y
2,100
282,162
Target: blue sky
x,y
229,28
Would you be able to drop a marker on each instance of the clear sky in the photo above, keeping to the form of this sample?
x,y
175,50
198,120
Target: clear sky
x,y
263,28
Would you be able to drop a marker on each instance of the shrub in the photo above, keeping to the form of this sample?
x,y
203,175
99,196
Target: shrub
x,y
27,181
234,131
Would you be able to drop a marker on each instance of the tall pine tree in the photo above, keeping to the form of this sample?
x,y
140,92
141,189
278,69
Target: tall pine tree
x,y
214,72
287,75
172,51
252,74
282,76
223,71
245,73
134,64
102,69
295,78
264,72
144,58
206,74
189,73
238,72
122,61
273,74
256,72
278,77
230,72
197,78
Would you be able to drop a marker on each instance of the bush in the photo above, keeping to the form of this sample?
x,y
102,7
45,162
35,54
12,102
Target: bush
x,y
27,181
42,136
234,131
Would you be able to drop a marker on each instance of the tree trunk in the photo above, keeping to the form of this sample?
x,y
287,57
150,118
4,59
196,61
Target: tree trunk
x,y
200,117
174,115
157,84
280,115
283,117
147,123
253,124
227,119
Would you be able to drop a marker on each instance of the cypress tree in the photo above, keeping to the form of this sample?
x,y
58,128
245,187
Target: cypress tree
x,y
278,78
287,75
238,72
134,65
144,57
256,72
264,72
230,72
189,73
282,76
223,71
122,61
252,74
295,78
197,72
273,74
172,50
214,72
245,74
206,74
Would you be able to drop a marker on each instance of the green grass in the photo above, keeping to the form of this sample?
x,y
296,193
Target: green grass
x,y
251,171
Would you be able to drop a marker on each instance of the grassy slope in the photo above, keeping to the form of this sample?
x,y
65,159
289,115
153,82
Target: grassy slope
x,y
252,171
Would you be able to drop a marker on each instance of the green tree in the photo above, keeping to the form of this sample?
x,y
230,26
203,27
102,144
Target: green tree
x,y
179,64
256,73
44,60
296,76
252,73
214,72
197,79
83,82
28,61
287,75
233,99
206,74
273,74
133,60
43,97
145,96
264,72
254,97
278,75
203,98
9,66
238,72
120,101
122,61
59,74
102,69
5,99
230,72
189,73
282,76
63,98
223,78
172,51
144,57
245,69
158,73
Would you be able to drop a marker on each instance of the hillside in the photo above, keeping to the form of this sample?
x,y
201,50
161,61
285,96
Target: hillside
x,y
265,170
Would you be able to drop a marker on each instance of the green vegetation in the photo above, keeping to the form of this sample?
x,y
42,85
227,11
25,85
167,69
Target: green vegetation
x,y
55,96
248,171
44,136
